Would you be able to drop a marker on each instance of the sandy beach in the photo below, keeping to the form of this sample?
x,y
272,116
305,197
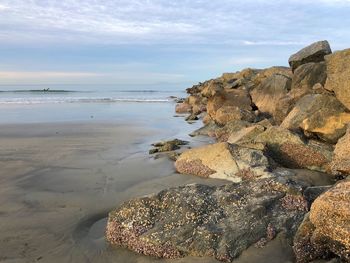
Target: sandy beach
x,y
59,181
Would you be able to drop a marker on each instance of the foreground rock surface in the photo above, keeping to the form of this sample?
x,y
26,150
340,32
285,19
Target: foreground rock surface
x,y
326,230
201,220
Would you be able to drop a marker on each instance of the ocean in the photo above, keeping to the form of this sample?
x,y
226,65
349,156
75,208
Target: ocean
x,y
28,104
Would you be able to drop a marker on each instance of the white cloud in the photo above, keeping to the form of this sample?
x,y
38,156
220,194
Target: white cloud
x,y
166,21
273,43
3,7
57,77
16,75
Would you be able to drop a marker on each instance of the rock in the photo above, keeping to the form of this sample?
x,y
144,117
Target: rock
x,y
170,155
341,161
231,113
212,88
224,161
183,107
338,75
319,89
246,136
319,114
212,221
288,149
266,73
191,117
195,89
235,98
223,133
326,230
206,130
312,53
305,77
206,119
271,91
241,79
167,146
312,192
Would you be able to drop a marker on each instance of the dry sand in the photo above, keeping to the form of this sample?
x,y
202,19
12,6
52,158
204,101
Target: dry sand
x,y
58,182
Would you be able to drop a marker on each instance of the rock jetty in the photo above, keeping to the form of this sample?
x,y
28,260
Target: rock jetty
x,y
282,146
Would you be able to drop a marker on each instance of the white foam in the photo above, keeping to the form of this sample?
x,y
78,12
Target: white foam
x,y
51,100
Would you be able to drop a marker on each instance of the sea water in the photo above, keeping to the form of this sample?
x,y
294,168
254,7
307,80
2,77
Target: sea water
x,y
30,104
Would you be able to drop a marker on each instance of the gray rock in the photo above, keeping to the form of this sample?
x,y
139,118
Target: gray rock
x,y
167,146
312,192
205,130
200,220
305,77
312,53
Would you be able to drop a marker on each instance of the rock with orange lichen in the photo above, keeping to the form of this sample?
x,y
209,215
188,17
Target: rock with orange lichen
x,y
341,161
319,114
212,221
224,161
326,231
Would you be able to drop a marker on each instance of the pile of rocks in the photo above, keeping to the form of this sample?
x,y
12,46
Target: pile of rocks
x,y
269,124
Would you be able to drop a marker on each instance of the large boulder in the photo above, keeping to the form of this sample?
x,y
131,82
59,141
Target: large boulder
x,y
235,98
224,161
231,113
212,87
268,72
338,75
246,136
290,150
319,114
240,79
341,161
208,221
306,77
223,133
326,230
267,95
183,107
312,53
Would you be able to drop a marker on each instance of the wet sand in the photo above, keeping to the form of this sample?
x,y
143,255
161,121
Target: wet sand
x,y
59,181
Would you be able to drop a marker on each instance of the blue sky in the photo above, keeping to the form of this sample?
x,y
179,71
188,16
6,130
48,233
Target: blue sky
x,y
157,42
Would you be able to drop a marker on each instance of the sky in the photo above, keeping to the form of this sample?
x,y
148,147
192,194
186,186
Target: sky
x,y
163,43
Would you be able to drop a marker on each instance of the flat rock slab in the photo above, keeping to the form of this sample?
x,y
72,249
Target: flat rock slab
x,y
214,221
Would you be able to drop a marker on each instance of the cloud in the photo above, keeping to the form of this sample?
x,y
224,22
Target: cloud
x,y
55,77
3,7
44,74
273,43
167,22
